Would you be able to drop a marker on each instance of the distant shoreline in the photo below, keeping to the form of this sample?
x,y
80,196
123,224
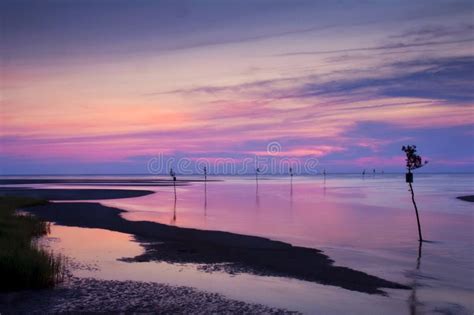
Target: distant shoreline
x,y
72,194
469,198
210,175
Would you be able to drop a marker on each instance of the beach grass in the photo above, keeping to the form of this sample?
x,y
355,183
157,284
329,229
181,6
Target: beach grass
x,y
23,264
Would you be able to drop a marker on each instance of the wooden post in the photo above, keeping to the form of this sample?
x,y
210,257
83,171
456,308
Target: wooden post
x,y
416,211
174,185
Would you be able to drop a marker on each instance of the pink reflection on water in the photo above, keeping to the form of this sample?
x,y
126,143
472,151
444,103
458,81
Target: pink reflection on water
x,y
304,213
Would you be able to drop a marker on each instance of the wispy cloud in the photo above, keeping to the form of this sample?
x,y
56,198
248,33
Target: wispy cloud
x,y
436,32
393,46
449,79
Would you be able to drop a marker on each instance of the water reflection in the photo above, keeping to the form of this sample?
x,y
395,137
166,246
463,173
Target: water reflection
x,y
344,214
291,183
205,197
173,220
103,260
257,197
324,185
413,302
370,221
291,187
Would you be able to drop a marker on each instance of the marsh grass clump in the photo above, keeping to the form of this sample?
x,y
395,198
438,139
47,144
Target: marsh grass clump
x,y
23,264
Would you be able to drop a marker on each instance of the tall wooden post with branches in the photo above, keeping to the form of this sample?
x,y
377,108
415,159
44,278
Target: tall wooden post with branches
x,y
413,161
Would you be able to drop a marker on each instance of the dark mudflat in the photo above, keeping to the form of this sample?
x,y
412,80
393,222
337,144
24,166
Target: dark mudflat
x,y
73,194
469,198
240,252
98,181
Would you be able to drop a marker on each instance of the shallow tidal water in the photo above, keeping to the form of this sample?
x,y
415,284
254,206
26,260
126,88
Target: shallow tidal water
x,y
366,223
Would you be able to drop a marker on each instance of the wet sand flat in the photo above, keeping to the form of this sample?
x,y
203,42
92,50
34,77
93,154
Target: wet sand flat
x,y
73,194
99,296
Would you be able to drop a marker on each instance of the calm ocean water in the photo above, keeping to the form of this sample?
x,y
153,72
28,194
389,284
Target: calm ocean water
x,y
367,223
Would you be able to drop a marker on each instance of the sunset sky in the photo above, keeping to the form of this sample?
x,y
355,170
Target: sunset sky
x,y
103,86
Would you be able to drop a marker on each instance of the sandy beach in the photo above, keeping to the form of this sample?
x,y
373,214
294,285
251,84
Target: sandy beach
x,y
78,295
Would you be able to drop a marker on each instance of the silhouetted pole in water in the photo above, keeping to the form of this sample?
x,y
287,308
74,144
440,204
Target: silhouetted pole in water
x,y
173,175
205,198
291,181
257,201
256,175
205,190
416,209
414,161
